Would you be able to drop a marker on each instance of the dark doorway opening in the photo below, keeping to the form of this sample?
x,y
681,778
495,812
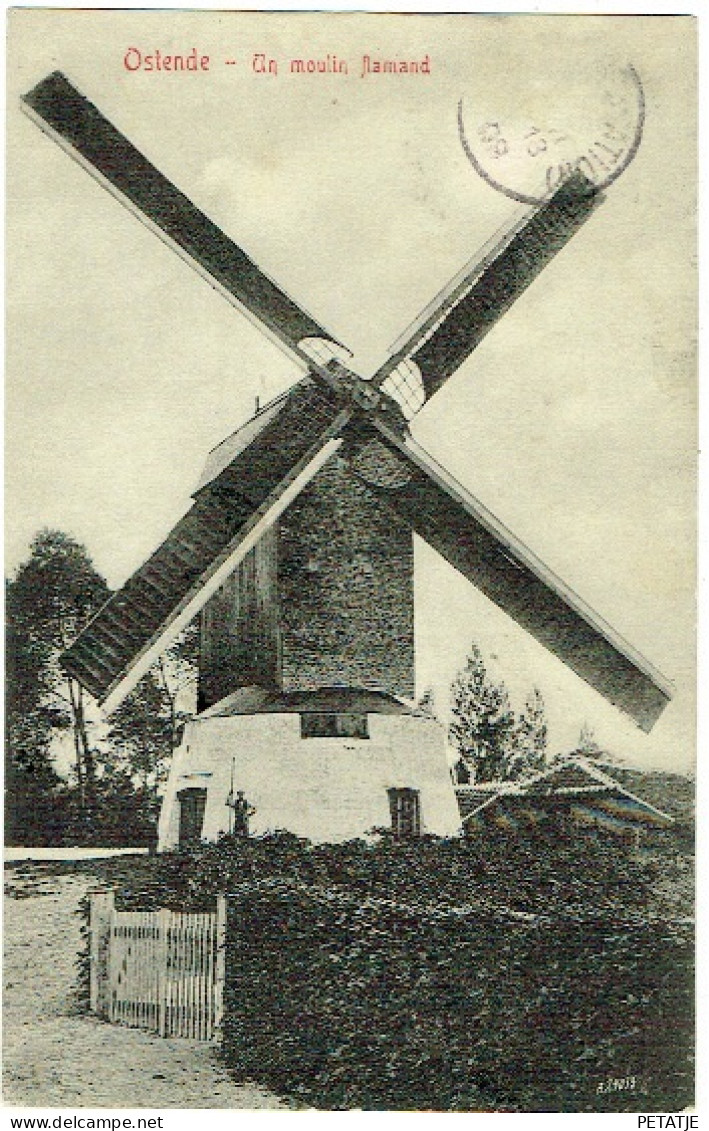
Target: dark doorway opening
x,y
192,805
405,808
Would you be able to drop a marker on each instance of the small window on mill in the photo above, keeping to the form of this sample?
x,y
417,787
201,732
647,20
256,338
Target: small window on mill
x,y
318,725
405,808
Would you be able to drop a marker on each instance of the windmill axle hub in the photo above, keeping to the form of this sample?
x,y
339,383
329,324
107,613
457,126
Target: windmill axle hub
x,y
364,394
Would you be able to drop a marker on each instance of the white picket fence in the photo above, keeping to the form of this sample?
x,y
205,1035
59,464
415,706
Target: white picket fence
x,y
158,970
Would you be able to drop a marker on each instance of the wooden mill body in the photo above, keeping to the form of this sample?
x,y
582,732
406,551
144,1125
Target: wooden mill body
x,y
325,599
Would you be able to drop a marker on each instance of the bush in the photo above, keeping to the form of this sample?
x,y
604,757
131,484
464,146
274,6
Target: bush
x,y
387,1009
499,974
550,873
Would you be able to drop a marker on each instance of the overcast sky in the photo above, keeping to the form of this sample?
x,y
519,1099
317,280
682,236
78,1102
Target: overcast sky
x,y
574,421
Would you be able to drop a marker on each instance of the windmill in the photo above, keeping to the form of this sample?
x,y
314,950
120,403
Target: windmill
x,y
297,550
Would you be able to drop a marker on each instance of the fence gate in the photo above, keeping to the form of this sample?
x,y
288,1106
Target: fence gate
x,y
158,970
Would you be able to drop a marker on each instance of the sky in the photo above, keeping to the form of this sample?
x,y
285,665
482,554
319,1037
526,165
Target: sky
x,y
573,422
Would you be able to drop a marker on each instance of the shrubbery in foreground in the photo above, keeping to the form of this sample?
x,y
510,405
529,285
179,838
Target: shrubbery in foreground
x,y
387,1009
501,974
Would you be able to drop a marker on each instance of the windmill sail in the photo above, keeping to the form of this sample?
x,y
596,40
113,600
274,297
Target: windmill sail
x,y
455,524
450,332
228,517
81,129
252,478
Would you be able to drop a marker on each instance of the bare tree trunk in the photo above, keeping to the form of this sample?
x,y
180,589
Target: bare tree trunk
x,y
84,753
78,752
172,700
89,763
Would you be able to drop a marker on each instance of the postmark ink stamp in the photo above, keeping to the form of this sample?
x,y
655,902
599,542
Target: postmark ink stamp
x,y
526,143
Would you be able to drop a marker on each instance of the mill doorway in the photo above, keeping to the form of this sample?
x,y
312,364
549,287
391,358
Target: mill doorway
x,y
192,802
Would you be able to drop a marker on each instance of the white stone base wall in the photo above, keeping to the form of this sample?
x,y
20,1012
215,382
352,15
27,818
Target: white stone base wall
x,y
325,789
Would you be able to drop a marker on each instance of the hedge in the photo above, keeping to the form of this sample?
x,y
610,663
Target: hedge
x,y
375,1007
495,975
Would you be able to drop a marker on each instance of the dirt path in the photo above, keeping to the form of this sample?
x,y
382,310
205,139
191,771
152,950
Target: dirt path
x,y
55,1057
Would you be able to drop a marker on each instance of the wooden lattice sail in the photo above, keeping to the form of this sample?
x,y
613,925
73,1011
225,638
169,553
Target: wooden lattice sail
x,y
329,412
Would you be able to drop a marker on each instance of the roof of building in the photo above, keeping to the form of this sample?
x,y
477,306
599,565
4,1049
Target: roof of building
x,y
573,776
321,700
673,793
223,455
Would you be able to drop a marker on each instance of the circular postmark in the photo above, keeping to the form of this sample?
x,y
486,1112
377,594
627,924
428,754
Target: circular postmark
x,y
525,138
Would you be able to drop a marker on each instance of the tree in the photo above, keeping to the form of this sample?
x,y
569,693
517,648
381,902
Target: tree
x,y
31,783
124,814
427,704
141,733
527,754
115,792
590,748
147,726
587,744
177,672
482,726
51,597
